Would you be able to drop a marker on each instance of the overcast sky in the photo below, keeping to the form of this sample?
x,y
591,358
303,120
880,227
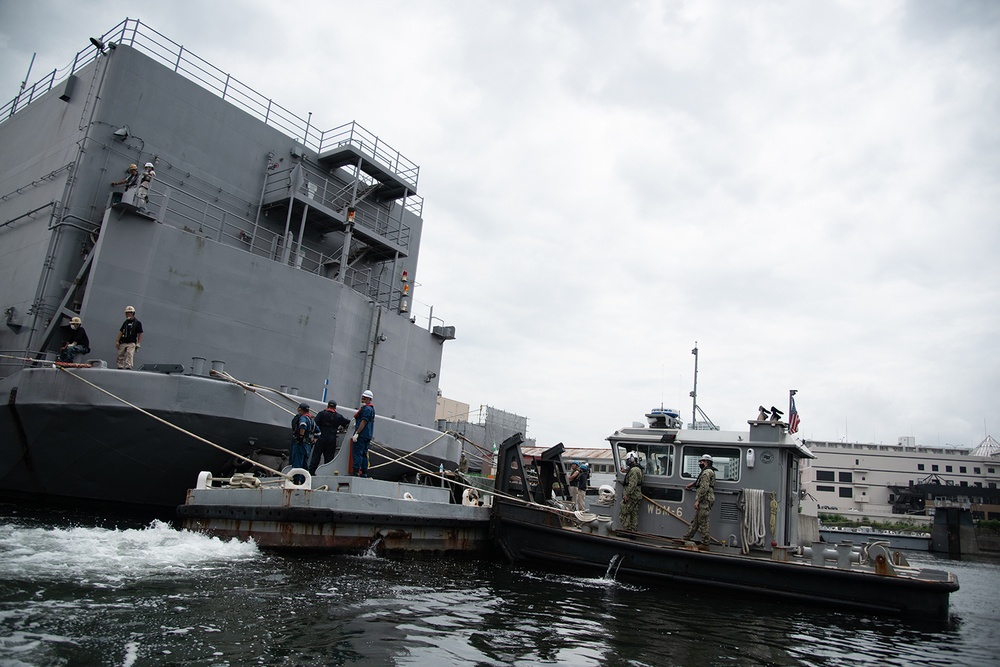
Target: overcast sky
x,y
809,190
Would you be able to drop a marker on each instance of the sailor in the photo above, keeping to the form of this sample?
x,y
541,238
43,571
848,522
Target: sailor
x,y
75,341
364,430
704,497
632,495
303,430
147,177
330,423
131,182
574,487
129,339
582,481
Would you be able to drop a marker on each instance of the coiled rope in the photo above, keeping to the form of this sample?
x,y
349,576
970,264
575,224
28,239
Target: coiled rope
x,y
753,527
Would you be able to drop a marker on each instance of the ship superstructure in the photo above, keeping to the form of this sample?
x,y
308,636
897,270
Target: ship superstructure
x,y
282,253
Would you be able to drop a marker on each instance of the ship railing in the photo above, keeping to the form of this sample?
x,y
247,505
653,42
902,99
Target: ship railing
x,y
371,146
197,216
141,37
337,197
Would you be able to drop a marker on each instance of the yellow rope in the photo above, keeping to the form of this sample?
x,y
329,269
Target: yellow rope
x,y
406,456
252,388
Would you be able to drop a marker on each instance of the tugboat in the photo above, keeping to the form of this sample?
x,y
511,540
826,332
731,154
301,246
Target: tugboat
x,y
760,544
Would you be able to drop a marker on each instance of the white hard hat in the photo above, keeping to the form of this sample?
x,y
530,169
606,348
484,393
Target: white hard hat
x,y
149,164
75,320
367,393
632,456
706,457
129,309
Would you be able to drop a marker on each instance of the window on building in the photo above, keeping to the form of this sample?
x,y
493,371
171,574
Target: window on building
x,y
961,469
920,466
825,476
828,489
947,468
846,477
977,471
846,492
990,470
963,483
934,468
979,484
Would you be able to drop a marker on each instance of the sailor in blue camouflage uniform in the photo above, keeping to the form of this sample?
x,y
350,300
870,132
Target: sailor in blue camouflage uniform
x,y
704,498
303,434
364,431
628,516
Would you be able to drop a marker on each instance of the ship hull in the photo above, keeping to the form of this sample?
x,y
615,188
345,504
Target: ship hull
x,y
341,515
68,436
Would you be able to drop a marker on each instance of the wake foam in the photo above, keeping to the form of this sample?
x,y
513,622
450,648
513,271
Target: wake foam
x,y
101,555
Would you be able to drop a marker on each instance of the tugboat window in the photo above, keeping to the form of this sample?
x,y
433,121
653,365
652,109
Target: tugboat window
x,y
725,460
656,459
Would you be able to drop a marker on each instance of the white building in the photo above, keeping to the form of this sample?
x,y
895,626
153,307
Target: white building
x,y
853,478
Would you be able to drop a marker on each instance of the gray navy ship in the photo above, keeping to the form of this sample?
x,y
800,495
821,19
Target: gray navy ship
x,y
272,260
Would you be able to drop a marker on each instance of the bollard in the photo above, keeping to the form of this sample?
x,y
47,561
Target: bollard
x,y
817,553
844,550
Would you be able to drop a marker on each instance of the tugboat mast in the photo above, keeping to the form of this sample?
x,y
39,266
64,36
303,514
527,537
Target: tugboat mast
x,y
694,392
705,423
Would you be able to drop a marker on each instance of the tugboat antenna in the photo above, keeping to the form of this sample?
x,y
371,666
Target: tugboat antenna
x,y
694,392
706,423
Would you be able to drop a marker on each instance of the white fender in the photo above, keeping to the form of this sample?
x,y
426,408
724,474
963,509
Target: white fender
x,y
306,479
407,496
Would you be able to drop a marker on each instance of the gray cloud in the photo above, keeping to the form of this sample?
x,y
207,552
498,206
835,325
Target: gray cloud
x,y
808,190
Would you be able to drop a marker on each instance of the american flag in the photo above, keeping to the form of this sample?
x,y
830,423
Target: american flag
x,y
793,416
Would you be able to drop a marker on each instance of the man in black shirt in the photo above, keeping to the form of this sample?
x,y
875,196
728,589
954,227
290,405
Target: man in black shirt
x,y
329,422
129,339
75,341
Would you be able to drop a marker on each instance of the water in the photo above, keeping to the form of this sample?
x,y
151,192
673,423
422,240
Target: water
x,y
77,591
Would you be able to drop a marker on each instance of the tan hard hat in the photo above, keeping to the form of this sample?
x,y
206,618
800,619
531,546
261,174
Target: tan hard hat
x,y
75,320
129,309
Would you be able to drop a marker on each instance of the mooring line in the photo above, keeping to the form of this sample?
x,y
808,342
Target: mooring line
x,y
174,426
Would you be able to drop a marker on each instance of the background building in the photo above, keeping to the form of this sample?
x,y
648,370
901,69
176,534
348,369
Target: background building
x,y
854,478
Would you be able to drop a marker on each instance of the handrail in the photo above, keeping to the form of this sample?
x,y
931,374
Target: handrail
x,y
195,215
141,37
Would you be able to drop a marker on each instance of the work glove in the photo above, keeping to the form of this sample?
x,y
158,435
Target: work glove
x,y
137,346
354,438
